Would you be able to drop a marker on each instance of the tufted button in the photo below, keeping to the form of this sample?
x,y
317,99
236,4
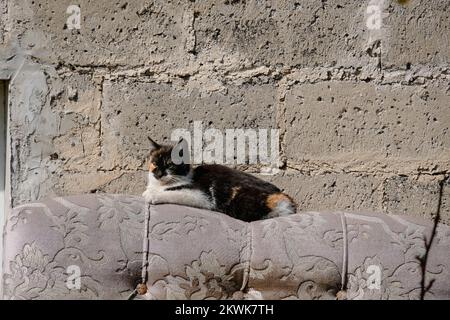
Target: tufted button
x,y
341,295
141,289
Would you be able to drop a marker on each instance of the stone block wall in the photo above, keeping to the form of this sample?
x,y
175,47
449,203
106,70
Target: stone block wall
x,y
363,110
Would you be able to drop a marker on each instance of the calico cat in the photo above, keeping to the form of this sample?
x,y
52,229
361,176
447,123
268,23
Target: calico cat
x,y
213,187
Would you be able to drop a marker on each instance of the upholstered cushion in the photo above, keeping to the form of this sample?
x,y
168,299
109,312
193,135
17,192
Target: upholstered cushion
x,y
198,254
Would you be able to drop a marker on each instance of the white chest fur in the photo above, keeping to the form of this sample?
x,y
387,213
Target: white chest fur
x,y
157,193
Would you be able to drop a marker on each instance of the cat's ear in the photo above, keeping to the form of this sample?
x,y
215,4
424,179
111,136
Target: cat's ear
x,y
153,144
180,152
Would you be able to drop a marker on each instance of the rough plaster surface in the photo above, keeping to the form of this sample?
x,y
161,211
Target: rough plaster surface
x,y
364,114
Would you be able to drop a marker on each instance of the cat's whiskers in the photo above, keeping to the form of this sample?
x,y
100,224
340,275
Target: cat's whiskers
x,y
176,180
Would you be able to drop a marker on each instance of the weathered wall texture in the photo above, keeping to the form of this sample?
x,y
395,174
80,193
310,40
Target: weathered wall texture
x,y
364,114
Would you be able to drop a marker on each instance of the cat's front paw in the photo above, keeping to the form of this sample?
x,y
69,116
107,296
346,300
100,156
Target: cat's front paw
x,y
150,196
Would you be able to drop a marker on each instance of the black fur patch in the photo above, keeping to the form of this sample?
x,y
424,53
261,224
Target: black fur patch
x,y
237,194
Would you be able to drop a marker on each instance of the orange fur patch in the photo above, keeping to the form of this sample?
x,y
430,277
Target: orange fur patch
x,y
151,166
273,200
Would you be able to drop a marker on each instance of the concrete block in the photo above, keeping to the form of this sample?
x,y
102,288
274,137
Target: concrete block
x,y
110,33
331,119
128,183
416,33
445,203
135,110
85,182
285,33
412,196
331,192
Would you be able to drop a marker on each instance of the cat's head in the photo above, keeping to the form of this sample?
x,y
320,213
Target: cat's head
x,y
169,164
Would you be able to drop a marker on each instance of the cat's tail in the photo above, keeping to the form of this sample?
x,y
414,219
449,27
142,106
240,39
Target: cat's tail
x,y
280,204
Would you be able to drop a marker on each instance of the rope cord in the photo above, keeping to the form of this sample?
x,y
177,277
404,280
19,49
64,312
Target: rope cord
x,y
342,294
141,288
249,257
